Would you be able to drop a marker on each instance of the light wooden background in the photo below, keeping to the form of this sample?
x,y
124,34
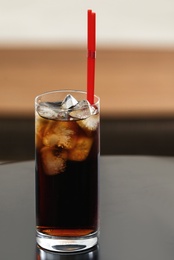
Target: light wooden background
x,y
130,82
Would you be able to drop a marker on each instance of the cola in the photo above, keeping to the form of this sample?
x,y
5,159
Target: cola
x,y
67,151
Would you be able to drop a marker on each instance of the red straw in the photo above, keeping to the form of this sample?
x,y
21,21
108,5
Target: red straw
x,y
91,56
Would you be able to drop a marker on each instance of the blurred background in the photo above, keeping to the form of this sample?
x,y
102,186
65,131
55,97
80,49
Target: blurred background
x,y
43,47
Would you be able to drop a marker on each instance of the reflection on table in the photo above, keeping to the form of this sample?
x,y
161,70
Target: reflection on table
x,y
92,254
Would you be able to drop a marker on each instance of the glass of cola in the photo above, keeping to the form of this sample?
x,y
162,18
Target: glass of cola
x,y
67,166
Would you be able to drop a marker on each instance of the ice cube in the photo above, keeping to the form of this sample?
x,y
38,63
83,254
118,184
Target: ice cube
x,y
52,110
46,111
67,134
61,134
50,140
81,149
69,102
82,110
89,124
54,161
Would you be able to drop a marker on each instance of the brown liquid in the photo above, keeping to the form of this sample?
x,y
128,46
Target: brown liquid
x,y
67,190
65,232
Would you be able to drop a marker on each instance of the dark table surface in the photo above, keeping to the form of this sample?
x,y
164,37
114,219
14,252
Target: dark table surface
x,y
136,209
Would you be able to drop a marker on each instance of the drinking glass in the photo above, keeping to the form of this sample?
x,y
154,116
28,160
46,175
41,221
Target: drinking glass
x,y
67,166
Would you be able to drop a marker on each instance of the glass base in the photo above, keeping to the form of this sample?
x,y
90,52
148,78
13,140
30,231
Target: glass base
x,y
66,244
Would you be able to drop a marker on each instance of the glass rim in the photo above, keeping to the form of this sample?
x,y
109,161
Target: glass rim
x,y
66,91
